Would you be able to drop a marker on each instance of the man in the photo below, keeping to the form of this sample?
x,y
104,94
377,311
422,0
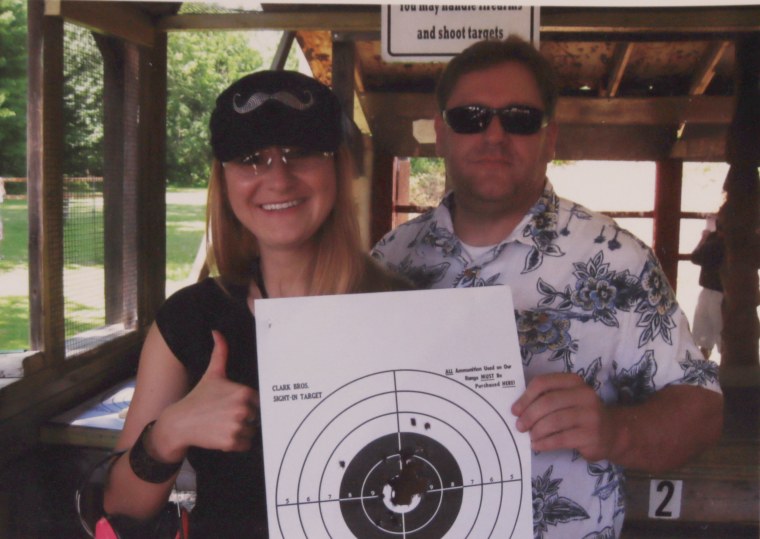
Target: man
x,y
613,376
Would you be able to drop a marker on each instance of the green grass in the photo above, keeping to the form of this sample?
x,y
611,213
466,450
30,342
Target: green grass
x,y
82,317
83,233
184,230
14,323
14,245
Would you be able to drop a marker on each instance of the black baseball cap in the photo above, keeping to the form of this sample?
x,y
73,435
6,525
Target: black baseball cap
x,y
275,108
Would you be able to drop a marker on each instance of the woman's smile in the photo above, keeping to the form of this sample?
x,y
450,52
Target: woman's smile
x,y
279,206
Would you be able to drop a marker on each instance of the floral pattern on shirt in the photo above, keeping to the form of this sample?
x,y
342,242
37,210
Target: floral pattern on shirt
x,y
470,277
549,508
698,371
606,533
634,385
542,231
657,307
609,478
540,331
422,275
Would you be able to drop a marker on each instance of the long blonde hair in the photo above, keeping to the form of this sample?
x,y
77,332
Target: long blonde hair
x,y
339,264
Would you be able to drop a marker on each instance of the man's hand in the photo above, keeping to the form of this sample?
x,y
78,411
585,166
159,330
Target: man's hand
x,y
561,412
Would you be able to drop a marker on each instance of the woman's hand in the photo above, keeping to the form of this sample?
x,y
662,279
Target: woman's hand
x,y
217,414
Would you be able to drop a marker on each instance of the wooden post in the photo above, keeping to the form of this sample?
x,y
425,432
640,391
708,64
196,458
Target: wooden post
x,y
402,171
343,74
382,194
130,172
45,186
667,215
150,179
112,51
739,220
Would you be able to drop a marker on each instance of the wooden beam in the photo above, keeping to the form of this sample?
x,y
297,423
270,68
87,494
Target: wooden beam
x,y
412,106
575,110
590,128
343,69
667,216
381,197
338,21
45,187
114,86
614,143
317,48
402,171
130,171
343,75
719,486
283,49
645,111
620,61
611,143
739,220
150,184
117,19
606,21
598,21
27,403
706,71
701,143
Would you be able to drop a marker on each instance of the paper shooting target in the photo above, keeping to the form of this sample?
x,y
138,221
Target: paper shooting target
x,y
400,454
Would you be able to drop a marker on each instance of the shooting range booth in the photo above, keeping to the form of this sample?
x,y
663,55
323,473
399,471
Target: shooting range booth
x,y
668,85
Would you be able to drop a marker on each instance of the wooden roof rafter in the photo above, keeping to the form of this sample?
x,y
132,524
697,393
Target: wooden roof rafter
x,y
338,21
120,20
647,23
619,63
706,70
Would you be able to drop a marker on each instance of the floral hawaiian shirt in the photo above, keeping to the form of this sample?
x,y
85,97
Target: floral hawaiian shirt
x,y
589,298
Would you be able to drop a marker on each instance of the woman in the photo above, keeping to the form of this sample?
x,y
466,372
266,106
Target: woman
x,y
281,222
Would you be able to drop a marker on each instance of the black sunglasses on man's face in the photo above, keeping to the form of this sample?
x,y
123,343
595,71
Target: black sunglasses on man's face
x,y
514,119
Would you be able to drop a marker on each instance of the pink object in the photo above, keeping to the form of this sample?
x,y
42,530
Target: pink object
x,y
103,530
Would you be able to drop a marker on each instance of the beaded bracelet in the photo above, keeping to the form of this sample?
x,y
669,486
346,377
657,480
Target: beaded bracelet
x,y
146,467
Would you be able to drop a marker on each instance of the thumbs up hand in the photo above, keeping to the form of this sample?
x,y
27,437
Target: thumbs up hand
x,y
218,413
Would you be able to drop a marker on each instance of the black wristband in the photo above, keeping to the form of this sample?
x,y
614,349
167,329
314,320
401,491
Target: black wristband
x,y
146,467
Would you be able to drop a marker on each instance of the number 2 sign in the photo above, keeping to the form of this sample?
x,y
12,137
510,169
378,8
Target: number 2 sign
x,y
665,498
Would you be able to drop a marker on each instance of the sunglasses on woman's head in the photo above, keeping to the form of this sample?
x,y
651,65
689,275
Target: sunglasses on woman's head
x,y
514,119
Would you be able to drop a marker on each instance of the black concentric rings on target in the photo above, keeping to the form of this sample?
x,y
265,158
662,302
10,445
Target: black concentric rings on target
x,y
399,454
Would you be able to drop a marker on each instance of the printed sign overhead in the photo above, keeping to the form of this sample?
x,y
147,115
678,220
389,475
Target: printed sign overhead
x,y
429,33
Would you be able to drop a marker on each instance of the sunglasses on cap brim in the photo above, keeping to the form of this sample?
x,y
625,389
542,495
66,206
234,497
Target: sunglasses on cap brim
x,y
514,119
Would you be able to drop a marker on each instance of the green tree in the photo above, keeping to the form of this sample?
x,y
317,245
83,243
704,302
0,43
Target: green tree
x,y
13,87
427,181
200,65
82,103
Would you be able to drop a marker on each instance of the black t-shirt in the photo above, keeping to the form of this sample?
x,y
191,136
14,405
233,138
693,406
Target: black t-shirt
x,y
230,495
